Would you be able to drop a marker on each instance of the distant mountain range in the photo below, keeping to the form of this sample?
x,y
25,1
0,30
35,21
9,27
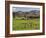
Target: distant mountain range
x,y
30,13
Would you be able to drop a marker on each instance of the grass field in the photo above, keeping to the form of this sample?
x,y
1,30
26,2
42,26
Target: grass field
x,y
32,24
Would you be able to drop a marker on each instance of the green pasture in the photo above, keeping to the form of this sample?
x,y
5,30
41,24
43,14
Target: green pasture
x,y
31,24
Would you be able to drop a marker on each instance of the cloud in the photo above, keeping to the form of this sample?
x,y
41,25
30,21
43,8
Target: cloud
x,y
24,9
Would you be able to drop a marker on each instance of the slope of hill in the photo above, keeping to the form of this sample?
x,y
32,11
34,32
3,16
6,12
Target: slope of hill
x,y
30,13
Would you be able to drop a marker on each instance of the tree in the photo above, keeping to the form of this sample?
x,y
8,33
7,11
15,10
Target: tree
x,y
13,14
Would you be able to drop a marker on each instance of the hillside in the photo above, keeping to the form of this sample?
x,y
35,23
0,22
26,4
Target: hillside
x,y
32,13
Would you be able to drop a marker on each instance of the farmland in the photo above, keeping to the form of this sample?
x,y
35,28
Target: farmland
x,y
25,18
31,24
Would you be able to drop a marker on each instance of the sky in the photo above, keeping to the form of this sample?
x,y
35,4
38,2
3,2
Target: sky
x,y
24,9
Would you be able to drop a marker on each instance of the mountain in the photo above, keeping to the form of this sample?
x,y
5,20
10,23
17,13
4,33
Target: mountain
x,y
30,13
